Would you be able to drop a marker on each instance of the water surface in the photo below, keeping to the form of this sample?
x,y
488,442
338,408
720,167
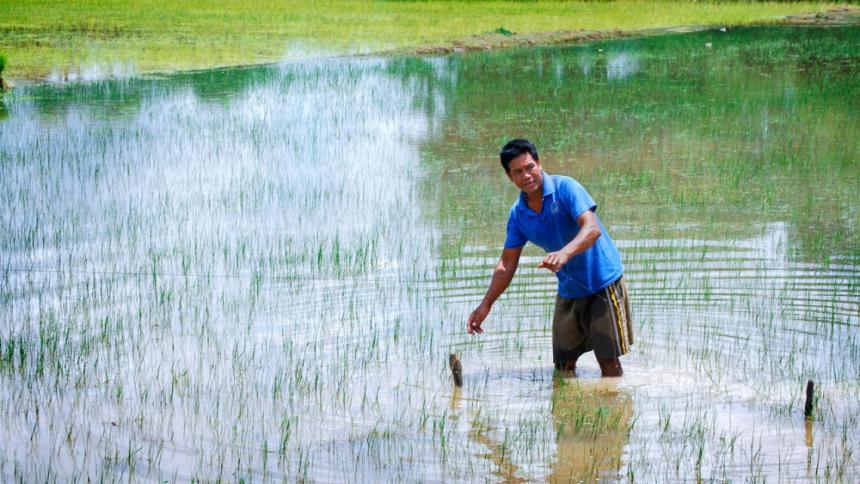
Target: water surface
x,y
259,273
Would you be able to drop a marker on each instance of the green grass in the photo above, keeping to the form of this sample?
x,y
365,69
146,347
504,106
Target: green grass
x,y
154,35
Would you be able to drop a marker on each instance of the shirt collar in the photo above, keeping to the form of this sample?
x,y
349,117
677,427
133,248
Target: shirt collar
x,y
548,186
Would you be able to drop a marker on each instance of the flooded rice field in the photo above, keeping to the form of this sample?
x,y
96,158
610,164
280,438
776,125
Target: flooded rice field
x,y
257,274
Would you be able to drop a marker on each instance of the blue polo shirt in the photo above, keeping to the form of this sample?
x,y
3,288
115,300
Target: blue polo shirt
x,y
564,199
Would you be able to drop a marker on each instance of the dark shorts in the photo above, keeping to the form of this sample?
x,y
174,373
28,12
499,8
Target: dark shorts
x,y
600,322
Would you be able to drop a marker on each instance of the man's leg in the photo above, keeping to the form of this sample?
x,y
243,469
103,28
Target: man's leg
x,y
609,327
569,340
569,365
610,366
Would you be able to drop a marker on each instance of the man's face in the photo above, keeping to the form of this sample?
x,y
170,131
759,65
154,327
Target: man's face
x,y
526,174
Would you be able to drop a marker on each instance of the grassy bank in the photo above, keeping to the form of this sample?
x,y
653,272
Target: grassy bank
x,y
93,38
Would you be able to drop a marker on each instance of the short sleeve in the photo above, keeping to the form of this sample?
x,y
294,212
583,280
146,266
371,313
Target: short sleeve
x,y
514,238
576,198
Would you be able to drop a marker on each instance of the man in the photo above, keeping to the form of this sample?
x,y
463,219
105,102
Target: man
x,y
592,310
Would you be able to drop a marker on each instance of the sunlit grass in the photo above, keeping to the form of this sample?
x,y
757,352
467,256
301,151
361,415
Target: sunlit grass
x,y
92,39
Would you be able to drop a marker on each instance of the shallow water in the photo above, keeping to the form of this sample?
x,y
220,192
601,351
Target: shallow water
x,y
259,273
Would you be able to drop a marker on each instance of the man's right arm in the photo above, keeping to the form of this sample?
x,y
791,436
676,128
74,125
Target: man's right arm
x,y
502,276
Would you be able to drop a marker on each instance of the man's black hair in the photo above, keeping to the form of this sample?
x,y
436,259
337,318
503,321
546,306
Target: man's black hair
x,y
515,148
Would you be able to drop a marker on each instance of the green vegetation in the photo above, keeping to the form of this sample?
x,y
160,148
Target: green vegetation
x,y
93,37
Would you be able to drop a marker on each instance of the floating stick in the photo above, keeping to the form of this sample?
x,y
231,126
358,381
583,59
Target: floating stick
x,y
807,411
456,369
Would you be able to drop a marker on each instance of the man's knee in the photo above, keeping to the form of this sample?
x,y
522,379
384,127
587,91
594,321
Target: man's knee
x,y
610,366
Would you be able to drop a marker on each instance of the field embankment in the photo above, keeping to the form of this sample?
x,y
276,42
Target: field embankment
x,y
92,39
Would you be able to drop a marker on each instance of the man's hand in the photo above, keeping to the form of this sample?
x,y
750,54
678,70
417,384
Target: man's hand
x,y
589,232
502,275
554,261
473,324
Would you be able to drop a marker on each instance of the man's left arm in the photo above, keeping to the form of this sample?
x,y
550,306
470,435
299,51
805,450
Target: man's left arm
x,y
589,232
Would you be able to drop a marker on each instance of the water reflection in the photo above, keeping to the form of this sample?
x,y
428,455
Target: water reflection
x,y
621,65
586,431
498,454
809,438
592,421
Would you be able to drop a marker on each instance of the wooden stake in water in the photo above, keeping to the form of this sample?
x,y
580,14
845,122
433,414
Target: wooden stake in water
x,y
807,410
456,369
